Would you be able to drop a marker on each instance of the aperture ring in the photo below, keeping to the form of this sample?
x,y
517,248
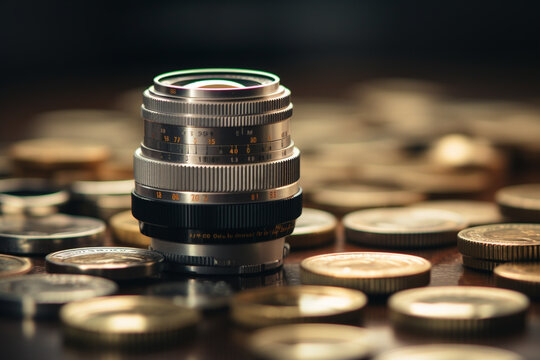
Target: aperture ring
x,y
216,178
216,216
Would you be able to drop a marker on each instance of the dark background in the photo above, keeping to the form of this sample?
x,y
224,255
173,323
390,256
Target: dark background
x,y
46,43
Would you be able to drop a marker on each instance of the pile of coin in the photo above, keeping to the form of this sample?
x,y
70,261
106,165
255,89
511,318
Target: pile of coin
x,y
485,247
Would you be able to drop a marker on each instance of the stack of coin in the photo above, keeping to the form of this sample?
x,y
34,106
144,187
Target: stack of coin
x,y
371,272
125,230
403,227
117,263
35,197
520,203
523,277
313,228
127,321
485,247
458,310
312,342
297,304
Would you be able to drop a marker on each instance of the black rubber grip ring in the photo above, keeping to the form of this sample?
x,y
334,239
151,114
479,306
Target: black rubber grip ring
x,y
216,216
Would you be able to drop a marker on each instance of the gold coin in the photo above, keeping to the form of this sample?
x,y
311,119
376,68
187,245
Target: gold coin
x,y
345,198
13,265
125,229
375,273
297,304
523,277
312,342
458,310
403,227
312,228
480,264
520,202
448,352
57,154
127,321
502,242
474,212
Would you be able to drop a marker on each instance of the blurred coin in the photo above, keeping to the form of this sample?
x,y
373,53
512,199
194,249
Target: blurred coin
x,y
312,342
523,277
297,304
41,295
448,352
12,265
57,154
458,310
125,229
195,293
403,227
313,228
374,273
42,235
501,242
101,199
479,264
348,197
474,212
135,321
117,263
520,202
36,197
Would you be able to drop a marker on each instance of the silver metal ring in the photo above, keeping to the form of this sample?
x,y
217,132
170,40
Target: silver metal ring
x,y
221,259
254,83
230,155
190,197
216,178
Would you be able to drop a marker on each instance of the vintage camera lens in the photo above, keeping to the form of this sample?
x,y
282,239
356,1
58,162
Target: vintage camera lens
x,y
216,176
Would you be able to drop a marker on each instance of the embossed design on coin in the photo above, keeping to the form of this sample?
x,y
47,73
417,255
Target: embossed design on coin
x,y
372,272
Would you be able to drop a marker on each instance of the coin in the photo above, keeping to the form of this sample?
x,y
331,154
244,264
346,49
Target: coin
x,y
313,228
374,273
523,277
458,310
42,235
501,242
297,304
12,265
125,229
31,197
520,202
448,352
195,293
312,341
345,198
41,295
101,199
480,264
474,212
117,263
403,227
127,321
55,154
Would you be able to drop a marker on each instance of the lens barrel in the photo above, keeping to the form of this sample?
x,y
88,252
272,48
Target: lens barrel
x,y
216,176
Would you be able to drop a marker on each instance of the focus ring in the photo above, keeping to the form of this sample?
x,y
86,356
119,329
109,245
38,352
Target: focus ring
x,y
156,102
216,178
216,216
217,120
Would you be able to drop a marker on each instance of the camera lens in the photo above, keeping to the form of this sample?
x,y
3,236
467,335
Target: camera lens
x,y
216,176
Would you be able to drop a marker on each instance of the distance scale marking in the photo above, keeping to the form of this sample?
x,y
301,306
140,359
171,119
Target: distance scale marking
x,y
243,135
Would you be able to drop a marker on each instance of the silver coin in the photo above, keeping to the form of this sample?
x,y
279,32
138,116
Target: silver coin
x,y
195,293
12,265
118,263
31,197
42,235
41,295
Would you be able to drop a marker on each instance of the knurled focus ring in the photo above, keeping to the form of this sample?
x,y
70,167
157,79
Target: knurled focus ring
x,y
216,178
216,216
